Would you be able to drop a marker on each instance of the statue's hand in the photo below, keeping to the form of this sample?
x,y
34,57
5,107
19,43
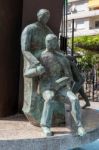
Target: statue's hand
x,y
35,71
61,82
40,69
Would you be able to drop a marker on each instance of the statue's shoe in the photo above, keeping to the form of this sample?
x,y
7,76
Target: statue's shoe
x,y
81,131
47,131
86,105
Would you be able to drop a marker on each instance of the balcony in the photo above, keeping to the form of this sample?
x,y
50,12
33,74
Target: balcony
x,y
83,14
93,3
72,1
84,32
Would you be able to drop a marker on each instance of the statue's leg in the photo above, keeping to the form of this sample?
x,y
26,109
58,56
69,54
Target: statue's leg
x,y
83,94
75,110
75,107
46,119
76,86
78,78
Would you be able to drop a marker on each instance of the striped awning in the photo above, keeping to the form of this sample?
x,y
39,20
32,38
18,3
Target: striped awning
x,y
93,3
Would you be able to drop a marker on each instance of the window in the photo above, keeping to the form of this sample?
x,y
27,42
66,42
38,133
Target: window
x,y
80,24
81,6
96,24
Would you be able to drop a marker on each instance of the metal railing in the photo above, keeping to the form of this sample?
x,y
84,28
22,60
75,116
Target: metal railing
x,y
91,85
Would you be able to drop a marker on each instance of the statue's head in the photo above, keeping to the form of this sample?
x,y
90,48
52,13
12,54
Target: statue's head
x,y
43,16
51,42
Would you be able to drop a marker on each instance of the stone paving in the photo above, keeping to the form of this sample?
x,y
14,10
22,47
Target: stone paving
x,y
17,127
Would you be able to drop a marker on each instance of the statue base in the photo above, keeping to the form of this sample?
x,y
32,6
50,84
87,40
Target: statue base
x,y
18,133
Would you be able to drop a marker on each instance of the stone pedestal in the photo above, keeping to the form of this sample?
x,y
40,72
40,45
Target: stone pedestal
x,y
17,133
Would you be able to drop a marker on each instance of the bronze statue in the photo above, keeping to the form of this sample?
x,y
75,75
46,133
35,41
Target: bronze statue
x,y
79,81
56,83
33,45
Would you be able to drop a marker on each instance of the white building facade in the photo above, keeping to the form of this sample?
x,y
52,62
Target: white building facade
x,y
86,17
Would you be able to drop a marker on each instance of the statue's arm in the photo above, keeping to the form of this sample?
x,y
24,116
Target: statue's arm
x,y
35,71
35,68
26,41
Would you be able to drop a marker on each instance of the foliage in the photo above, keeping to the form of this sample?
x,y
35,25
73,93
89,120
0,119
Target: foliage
x,y
87,47
87,42
85,61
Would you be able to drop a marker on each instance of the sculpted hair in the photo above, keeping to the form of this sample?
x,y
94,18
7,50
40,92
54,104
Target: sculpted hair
x,y
50,37
42,11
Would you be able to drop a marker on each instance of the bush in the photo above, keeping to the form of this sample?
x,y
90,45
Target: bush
x,y
87,42
87,46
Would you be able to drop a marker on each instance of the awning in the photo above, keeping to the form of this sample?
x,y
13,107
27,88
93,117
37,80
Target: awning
x,y
93,3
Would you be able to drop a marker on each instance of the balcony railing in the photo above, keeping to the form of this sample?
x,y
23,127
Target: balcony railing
x,y
83,14
84,32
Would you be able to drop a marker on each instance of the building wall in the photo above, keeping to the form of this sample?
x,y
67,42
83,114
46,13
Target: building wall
x,y
79,6
30,8
92,22
82,24
10,29
84,17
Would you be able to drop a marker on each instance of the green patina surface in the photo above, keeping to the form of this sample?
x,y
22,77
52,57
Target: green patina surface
x,y
48,77
32,44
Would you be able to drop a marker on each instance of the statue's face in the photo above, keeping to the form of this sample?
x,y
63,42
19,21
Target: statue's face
x,y
51,42
43,16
